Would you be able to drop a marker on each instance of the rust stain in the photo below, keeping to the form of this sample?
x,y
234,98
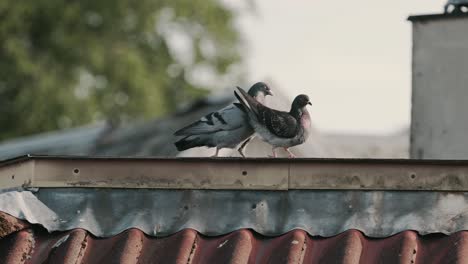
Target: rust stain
x,y
241,246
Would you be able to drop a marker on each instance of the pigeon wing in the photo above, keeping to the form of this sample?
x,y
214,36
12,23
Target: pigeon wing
x,y
240,106
279,123
226,119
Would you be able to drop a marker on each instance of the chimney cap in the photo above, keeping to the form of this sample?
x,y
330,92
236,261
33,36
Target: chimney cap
x,y
432,17
456,7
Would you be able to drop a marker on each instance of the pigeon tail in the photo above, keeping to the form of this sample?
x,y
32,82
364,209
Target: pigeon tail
x,y
198,127
188,143
184,131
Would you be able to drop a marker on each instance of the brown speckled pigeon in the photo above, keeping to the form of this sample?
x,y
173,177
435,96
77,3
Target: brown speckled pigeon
x,y
278,128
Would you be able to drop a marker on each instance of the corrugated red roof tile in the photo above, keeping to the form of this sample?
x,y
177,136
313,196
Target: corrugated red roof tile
x,y
10,224
35,245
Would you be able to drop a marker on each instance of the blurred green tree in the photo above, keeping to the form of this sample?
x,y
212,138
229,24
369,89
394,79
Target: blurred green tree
x,y
67,63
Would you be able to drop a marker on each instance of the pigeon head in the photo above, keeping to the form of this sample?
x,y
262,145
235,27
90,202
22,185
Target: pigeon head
x,y
258,88
301,101
299,104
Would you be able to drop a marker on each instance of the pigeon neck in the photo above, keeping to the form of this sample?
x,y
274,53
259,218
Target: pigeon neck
x,y
296,112
260,97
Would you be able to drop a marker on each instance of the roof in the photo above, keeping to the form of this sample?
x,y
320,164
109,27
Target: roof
x,y
323,197
431,17
32,243
198,210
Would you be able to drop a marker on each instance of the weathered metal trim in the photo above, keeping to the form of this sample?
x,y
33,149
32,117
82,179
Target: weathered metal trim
x,y
161,174
233,159
347,176
19,174
236,174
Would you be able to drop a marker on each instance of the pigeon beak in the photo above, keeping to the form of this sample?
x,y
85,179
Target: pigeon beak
x,y
269,92
309,103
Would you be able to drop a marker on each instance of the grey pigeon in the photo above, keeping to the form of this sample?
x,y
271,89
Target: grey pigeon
x,y
226,128
278,128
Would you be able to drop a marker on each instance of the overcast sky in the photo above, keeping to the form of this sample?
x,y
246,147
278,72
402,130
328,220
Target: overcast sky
x,y
353,58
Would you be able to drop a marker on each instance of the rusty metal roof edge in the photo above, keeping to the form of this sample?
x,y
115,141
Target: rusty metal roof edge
x,y
235,173
17,159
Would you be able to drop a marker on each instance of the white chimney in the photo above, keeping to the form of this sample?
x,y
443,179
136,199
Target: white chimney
x,y
439,116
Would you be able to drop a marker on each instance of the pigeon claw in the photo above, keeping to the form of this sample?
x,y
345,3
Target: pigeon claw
x,y
274,153
290,154
216,153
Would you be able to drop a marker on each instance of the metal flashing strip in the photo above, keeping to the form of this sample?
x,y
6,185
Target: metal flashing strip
x,y
234,173
107,212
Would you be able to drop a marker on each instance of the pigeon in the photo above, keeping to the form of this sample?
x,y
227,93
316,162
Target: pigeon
x,y
226,128
278,128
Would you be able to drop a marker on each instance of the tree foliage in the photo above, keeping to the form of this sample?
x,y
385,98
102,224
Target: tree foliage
x,y
66,63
